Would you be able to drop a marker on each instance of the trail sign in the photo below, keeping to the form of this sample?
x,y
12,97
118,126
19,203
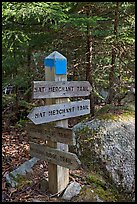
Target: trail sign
x,y
55,151
49,132
55,156
45,114
59,89
57,62
56,70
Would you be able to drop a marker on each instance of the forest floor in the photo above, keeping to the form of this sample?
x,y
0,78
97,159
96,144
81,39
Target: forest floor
x,y
15,151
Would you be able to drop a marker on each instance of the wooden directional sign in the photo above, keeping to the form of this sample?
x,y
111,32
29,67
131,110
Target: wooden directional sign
x,y
55,156
59,89
48,132
45,114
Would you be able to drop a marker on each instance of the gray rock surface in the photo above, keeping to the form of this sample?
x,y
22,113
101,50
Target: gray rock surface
x,y
98,199
109,144
72,190
21,170
36,200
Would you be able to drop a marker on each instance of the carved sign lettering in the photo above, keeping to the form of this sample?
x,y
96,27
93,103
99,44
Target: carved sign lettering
x,y
48,132
55,156
53,89
45,114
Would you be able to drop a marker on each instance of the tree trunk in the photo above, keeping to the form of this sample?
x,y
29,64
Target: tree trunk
x,y
28,95
89,70
112,69
75,67
16,86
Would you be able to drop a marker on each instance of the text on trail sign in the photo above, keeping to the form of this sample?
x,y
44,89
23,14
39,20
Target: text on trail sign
x,y
55,156
45,114
52,89
49,132
57,138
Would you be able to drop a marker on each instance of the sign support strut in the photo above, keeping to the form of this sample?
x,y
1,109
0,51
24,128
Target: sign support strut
x,y
58,176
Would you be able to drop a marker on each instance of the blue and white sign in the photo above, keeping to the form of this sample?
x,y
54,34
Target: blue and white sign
x,y
58,61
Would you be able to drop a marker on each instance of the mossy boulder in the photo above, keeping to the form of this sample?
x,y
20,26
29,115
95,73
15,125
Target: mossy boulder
x,y
106,144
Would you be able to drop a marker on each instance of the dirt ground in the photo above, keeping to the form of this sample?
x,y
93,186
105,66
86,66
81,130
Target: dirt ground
x,y
15,151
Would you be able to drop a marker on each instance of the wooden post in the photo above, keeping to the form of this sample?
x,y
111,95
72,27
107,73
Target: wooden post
x,y
56,70
55,89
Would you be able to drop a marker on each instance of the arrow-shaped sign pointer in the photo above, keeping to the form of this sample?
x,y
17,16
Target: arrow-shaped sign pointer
x,y
49,113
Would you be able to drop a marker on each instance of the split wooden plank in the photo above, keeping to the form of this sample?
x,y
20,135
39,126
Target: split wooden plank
x,y
58,176
59,89
55,156
49,132
45,114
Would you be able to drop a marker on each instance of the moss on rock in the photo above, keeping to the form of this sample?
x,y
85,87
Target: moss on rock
x,y
20,180
110,112
100,143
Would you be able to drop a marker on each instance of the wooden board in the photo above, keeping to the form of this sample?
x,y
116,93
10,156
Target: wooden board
x,y
58,176
48,132
59,89
55,156
45,114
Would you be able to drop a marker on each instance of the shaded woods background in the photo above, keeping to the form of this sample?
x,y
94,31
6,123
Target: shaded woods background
x,y
97,39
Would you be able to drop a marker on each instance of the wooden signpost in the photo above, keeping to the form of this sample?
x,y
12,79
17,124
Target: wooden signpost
x,y
49,113
55,156
55,134
55,90
59,89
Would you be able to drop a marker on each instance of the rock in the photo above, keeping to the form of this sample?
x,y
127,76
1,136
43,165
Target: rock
x,y
22,170
108,143
36,200
72,190
129,97
98,199
104,94
44,184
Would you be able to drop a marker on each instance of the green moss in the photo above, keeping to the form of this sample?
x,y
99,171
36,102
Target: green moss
x,y
85,195
96,181
84,130
102,187
107,116
20,179
107,195
110,112
89,194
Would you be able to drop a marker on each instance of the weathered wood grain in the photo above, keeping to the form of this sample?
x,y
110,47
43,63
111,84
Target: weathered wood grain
x,y
60,89
55,156
58,176
45,114
49,132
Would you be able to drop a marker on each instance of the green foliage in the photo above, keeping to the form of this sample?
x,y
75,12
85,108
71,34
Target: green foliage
x,y
96,181
31,31
21,124
20,180
7,99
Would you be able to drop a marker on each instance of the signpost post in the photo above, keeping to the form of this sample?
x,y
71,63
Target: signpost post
x,y
56,90
56,70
